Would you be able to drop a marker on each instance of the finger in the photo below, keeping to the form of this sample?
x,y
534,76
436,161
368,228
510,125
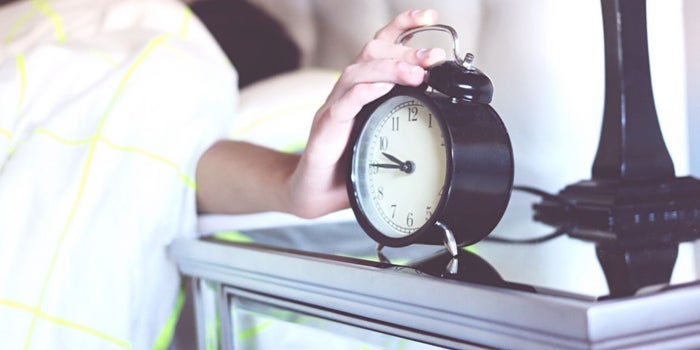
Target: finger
x,y
386,71
345,108
379,49
332,124
405,21
359,84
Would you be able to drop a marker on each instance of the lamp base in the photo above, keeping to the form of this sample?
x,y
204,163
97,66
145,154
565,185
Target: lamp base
x,y
644,210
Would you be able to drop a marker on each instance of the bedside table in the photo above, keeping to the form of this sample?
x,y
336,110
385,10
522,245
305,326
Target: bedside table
x,y
324,286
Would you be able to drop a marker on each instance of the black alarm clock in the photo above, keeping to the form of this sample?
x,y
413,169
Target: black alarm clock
x,y
431,164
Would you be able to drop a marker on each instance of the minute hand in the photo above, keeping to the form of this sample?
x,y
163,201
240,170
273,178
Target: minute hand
x,y
386,166
407,166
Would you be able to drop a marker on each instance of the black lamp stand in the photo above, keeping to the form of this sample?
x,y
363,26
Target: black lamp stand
x,y
633,190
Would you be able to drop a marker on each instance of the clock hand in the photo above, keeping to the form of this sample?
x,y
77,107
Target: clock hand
x,y
392,158
407,166
386,166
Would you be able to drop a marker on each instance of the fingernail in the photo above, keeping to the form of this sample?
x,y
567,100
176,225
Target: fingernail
x,y
405,67
423,17
417,13
422,53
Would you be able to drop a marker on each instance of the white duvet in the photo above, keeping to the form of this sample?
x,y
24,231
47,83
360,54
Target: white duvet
x,y
105,107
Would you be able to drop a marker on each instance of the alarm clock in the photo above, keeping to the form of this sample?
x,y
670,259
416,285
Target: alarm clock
x,y
431,164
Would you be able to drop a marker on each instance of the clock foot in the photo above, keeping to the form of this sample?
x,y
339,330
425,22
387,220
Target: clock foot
x,y
381,257
448,240
452,267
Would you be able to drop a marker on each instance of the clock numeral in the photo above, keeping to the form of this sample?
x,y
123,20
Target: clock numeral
x,y
430,120
380,191
409,220
383,143
428,212
412,114
393,211
395,123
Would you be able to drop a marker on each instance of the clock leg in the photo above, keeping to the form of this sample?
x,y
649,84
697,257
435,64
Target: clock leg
x,y
380,256
448,240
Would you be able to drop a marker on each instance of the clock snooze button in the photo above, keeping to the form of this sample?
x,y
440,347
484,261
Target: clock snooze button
x,y
460,82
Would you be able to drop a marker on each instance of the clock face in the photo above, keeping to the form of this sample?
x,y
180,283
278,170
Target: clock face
x,y
399,166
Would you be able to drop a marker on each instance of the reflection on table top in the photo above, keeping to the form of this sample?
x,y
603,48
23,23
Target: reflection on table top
x,y
549,294
568,261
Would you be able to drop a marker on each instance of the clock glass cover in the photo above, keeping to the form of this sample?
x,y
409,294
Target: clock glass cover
x,y
399,167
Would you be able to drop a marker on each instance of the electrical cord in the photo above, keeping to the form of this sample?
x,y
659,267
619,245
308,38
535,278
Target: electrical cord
x,y
560,231
546,195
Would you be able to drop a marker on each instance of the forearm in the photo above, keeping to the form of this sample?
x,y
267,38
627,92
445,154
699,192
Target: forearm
x,y
236,178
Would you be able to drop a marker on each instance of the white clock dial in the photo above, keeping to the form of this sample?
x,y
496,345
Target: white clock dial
x,y
400,166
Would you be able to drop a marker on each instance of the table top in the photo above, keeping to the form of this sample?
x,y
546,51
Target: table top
x,y
556,288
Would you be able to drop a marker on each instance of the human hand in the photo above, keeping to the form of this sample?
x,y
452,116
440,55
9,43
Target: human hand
x,y
317,184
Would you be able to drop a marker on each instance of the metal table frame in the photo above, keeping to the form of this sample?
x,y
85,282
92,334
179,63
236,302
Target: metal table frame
x,y
437,311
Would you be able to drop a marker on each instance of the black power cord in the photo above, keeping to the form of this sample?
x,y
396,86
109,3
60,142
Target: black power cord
x,y
545,195
560,231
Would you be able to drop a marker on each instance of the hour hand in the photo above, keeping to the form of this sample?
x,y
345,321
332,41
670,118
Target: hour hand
x,y
406,167
392,158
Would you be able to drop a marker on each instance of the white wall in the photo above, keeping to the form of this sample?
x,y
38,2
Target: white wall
x,y
546,58
668,74
692,59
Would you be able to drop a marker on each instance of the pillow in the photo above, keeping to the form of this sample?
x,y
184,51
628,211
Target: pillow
x,y
277,112
254,42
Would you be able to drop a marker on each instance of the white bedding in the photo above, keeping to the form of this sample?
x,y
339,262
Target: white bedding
x,y
105,107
